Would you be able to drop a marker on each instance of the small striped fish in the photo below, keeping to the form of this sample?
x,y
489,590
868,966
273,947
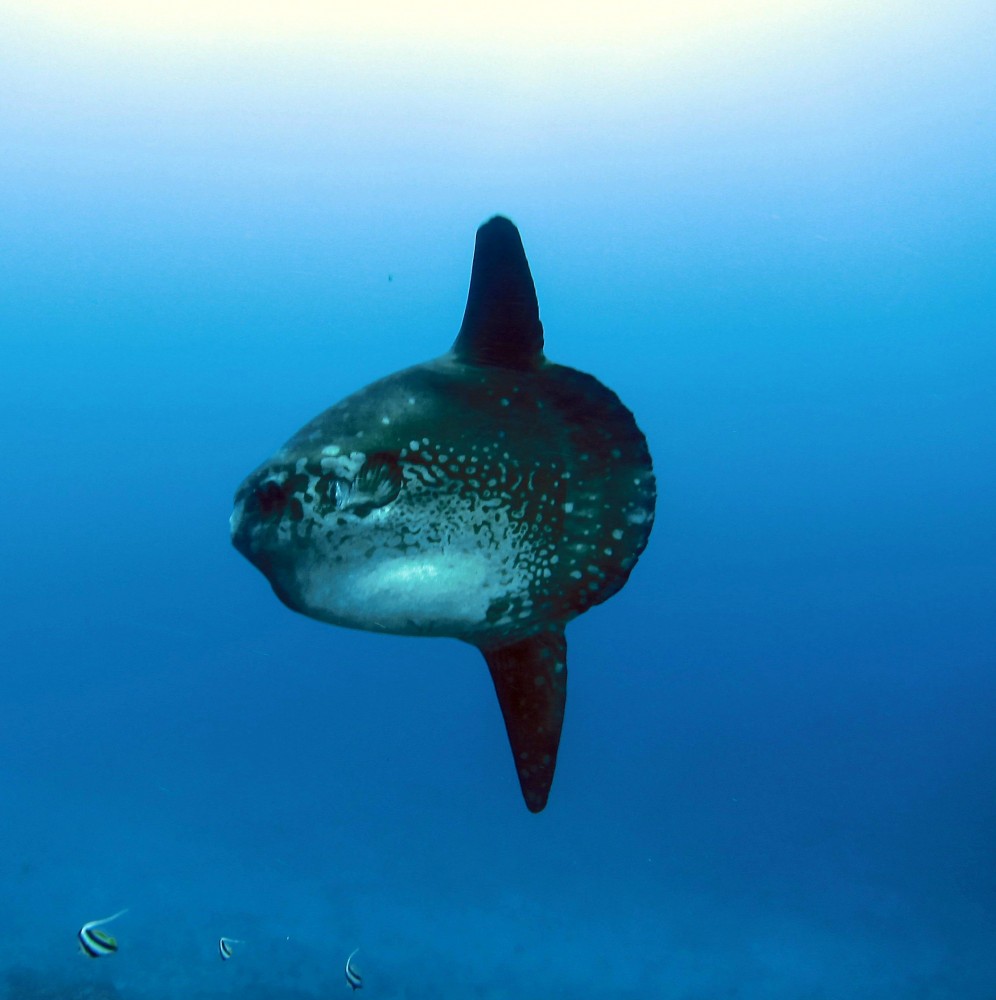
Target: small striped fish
x,y
95,943
225,947
353,976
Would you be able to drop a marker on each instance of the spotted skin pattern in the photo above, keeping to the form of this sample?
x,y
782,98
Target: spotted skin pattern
x,y
480,500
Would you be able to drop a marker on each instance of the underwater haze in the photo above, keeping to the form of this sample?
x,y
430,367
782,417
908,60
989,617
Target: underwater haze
x,y
771,229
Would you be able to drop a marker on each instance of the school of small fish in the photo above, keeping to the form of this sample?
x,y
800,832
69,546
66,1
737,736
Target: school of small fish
x,y
95,943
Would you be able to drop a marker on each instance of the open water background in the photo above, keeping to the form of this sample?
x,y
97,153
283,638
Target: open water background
x,y
773,232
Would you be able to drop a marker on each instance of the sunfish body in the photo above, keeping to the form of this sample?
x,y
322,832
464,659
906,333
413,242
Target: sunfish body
x,y
488,495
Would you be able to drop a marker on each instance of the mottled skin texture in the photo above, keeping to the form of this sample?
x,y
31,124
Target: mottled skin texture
x,y
496,491
464,498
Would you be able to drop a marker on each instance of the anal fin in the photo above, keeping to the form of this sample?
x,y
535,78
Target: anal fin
x,y
530,679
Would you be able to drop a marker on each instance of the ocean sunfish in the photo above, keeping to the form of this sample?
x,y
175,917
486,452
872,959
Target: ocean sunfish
x,y
488,495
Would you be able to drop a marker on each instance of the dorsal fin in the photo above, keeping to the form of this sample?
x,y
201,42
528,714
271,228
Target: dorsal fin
x,y
501,325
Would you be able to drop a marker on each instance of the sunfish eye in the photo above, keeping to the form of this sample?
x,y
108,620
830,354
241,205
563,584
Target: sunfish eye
x,y
377,484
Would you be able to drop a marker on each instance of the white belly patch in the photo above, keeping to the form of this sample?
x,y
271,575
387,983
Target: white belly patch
x,y
432,592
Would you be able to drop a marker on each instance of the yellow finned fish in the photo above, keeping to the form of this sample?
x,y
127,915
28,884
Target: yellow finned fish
x,y
94,943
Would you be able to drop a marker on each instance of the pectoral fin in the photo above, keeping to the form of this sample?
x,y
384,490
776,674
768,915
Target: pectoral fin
x,y
530,678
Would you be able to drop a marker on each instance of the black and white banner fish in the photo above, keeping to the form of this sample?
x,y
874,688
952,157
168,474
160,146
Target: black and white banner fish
x,y
225,947
353,976
95,943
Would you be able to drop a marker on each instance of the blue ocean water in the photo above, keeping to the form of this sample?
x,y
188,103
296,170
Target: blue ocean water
x,y
773,233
